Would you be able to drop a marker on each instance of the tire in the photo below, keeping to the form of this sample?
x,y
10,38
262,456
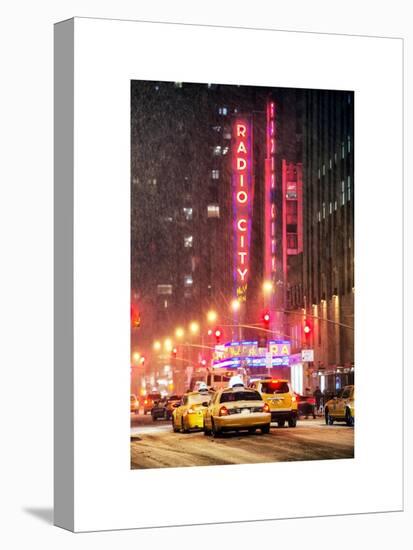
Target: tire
x,y
175,429
329,419
349,418
250,430
206,431
280,423
292,422
214,431
266,429
183,429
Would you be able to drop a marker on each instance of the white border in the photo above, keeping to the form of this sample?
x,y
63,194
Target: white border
x,y
108,495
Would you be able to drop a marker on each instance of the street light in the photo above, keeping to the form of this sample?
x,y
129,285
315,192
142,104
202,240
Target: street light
x,y
194,327
267,287
136,356
157,345
179,333
212,316
235,305
167,344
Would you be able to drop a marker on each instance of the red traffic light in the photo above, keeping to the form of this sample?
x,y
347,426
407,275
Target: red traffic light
x,y
174,352
266,317
307,328
218,334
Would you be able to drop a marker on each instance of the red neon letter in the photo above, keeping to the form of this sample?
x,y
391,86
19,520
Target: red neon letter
x,y
241,164
241,130
241,147
242,273
242,197
242,221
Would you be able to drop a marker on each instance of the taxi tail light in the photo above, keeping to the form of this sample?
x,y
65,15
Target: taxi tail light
x,y
190,410
146,401
293,399
266,408
223,411
312,400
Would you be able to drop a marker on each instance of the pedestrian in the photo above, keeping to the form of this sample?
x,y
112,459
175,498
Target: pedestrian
x,y
318,395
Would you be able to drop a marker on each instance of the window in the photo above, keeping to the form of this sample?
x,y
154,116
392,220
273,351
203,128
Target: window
x,y
215,174
164,289
223,111
275,387
240,396
348,144
292,241
348,188
342,150
343,196
188,241
217,150
188,281
213,211
324,210
188,213
225,150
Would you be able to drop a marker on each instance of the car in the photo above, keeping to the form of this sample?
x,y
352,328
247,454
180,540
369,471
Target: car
x,y
149,401
281,400
305,405
189,414
159,409
237,408
134,404
171,403
341,407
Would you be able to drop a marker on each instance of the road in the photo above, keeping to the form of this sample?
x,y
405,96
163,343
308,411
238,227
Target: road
x,y
154,445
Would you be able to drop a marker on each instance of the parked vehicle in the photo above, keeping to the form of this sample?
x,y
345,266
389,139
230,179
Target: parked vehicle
x,y
341,407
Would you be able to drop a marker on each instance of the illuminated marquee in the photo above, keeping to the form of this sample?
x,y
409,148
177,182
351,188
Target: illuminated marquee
x,y
242,201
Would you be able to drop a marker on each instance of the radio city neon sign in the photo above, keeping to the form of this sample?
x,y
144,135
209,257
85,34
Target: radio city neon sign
x,y
242,200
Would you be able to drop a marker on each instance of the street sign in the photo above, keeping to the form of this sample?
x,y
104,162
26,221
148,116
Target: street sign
x,y
307,355
268,359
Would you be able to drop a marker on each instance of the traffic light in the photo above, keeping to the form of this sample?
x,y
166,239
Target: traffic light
x,y
218,334
174,352
266,320
307,329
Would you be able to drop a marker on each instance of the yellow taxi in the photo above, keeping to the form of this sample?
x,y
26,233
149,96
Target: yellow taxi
x,y
236,408
341,407
280,399
134,404
189,415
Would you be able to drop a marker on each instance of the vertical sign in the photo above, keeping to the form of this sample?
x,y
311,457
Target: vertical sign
x,y
270,210
242,187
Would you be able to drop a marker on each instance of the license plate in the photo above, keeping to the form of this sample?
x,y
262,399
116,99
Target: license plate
x,y
245,411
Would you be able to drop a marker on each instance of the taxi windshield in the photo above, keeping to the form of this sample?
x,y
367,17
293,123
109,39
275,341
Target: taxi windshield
x,y
275,387
240,396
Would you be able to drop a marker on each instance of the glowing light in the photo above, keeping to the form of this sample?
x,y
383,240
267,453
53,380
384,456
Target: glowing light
x,y
235,305
179,333
267,286
194,327
168,344
157,345
136,356
212,316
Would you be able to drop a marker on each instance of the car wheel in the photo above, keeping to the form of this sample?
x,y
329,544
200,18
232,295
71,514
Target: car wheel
x,y
292,422
266,429
349,418
175,429
206,431
250,430
329,418
280,423
184,430
214,431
